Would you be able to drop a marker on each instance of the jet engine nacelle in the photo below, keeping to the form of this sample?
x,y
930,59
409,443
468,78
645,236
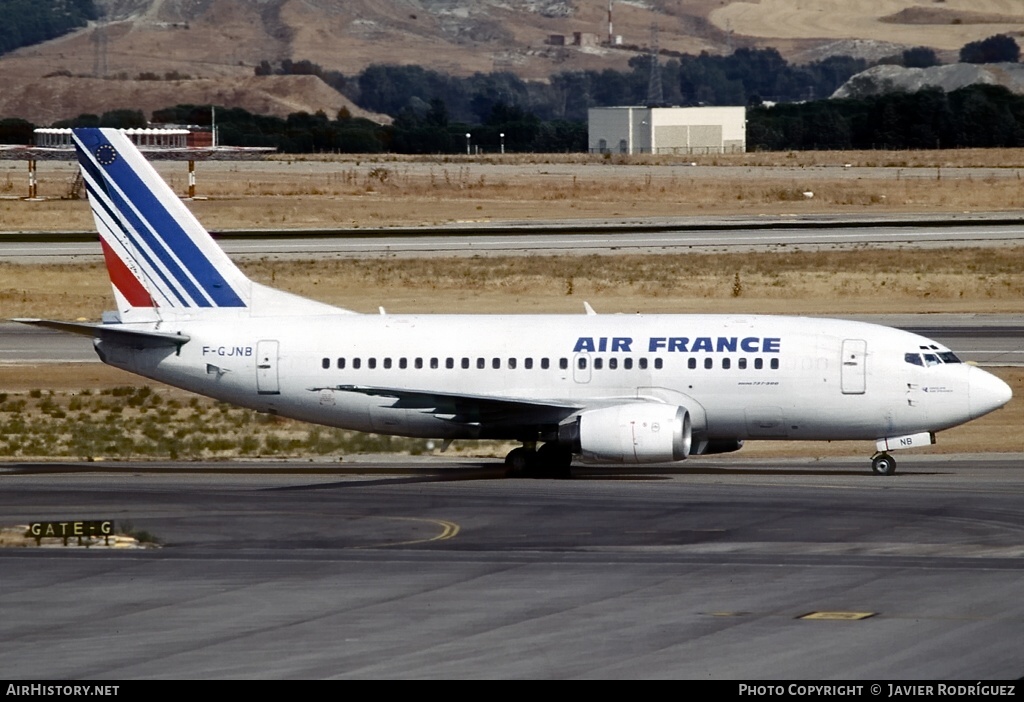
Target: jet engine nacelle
x,y
635,433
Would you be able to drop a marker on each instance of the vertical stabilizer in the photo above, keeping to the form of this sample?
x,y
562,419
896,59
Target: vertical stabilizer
x,y
162,262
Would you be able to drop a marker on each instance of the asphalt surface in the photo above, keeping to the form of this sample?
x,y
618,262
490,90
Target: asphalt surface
x,y
434,570
393,569
646,235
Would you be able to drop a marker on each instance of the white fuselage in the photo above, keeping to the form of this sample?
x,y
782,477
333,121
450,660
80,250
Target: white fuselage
x,y
740,377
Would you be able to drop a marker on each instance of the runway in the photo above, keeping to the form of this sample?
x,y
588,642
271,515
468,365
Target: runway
x,y
396,569
448,570
641,235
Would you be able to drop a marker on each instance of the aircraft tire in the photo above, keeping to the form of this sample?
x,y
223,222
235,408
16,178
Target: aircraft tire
x,y
520,462
554,461
883,464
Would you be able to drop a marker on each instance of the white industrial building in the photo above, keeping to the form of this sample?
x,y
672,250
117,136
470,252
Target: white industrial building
x,y
667,130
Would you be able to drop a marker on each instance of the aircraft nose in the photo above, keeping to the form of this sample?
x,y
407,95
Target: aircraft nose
x,y
986,392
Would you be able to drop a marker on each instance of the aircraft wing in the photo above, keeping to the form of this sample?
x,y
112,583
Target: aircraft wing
x,y
114,333
467,409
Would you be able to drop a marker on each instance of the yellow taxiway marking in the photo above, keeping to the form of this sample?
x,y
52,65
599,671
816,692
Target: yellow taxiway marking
x,y
449,530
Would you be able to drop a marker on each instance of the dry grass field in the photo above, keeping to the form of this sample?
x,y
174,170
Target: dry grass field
x,y
351,192
357,193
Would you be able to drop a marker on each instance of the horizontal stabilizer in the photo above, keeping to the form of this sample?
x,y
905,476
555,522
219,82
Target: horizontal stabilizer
x,y
114,333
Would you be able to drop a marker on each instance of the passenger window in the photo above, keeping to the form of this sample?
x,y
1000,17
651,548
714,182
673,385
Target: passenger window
x,y
418,363
371,363
449,363
356,363
726,363
545,363
341,363
563,363
528,363
691,363
403,363
742,364
433,363
628,364
465,363
481,363
758,363
775,364
512,363
581,362
326,363
658,363
913,359
495,363
708,363
642,364
598,363
387,362
613,363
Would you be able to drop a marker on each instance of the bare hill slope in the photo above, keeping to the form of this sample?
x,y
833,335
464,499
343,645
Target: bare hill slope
x,y
219,42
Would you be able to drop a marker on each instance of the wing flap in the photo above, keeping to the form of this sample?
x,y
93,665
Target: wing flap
x,y
466,409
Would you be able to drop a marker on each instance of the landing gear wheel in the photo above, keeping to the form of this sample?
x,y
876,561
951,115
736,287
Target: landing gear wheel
x,y
883,464
554,461
520,462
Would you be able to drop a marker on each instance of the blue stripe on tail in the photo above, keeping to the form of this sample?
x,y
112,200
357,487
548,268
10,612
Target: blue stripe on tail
x,y
160,231
98,201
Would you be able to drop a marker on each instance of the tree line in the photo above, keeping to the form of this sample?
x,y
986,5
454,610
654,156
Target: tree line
x,y
27,22
974,116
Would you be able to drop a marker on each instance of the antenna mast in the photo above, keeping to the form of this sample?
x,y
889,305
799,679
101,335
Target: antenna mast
x,y
655,95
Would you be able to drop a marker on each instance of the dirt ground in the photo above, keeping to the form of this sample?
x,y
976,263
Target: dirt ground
x,y
359,192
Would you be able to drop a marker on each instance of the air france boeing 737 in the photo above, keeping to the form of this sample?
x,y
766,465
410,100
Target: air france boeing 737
x,y
626,389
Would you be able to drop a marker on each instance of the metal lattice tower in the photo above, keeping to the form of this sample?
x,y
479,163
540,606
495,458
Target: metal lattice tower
x,y
655,95
99,38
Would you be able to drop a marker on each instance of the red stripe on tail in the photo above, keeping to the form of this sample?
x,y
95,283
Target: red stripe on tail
x,y
124,280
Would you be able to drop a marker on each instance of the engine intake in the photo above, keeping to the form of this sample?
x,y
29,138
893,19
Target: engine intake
x,y
635,433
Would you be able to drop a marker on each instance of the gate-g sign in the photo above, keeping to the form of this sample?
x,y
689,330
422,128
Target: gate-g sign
x,y
65,530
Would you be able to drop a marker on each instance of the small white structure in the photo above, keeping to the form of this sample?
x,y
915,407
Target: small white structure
x,y
60,137
667,130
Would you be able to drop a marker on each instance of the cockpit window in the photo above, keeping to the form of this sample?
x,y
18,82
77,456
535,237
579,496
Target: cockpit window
x,y
931,359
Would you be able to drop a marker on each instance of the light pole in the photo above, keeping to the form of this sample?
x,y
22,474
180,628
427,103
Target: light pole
x,y
467,143
502,135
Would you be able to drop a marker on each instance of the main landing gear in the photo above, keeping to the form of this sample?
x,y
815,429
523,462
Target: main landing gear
x,y
549,461
883,464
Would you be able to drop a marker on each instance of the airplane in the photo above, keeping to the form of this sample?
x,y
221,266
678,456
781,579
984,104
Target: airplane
x,y
628,389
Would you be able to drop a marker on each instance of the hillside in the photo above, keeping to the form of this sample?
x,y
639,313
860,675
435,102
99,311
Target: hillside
x,y
217,43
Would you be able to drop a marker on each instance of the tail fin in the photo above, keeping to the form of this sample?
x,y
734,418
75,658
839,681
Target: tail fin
x,y
162,263
160,259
